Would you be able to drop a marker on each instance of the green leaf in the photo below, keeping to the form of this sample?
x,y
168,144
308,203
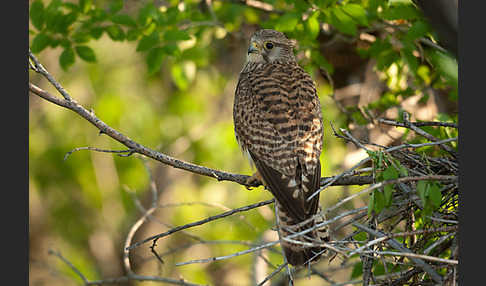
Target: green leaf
x,y
357,270
379,201
96,32
446,65
312,25
86,53
115,32
422,187
179,77
401,169
400,12
154,59
386,58
380,160
54,5
148,42
123,19
410,59
68,20
360,236
171,49
71,6
357,12
388,194
40,42
98,15
359,118
85,5
371,203
67,58
116,5
390,173
146,14
287,22
342,21
435,196
81,37
417,30
132,34
321,61
64,42
176,35
37,14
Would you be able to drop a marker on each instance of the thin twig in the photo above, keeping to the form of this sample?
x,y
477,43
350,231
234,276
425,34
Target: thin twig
x,y
407,233
413,255
417,123
239,253
200,222
40,69
275,272
73,268
119,152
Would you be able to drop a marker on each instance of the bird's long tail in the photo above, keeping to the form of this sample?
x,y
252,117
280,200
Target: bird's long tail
x,y
306,251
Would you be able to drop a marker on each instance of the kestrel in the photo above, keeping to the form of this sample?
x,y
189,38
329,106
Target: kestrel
x,y
278,124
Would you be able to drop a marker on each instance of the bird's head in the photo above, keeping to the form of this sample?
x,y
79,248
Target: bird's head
x,y
267,46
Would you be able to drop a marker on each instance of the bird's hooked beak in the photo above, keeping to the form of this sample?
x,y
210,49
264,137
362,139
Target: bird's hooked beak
x,y
254,48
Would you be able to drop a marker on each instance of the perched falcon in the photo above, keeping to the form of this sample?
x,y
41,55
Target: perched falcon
x,y
278,124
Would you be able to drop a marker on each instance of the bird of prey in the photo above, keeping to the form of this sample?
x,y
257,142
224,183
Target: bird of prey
x,y
278,124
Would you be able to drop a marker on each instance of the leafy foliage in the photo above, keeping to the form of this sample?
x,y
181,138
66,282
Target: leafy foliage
x,y
162,71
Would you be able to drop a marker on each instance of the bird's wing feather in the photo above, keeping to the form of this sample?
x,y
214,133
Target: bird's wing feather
x,y
281,130
283,188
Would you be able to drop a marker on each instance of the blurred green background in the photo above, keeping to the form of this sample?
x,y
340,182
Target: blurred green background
x,y
164,74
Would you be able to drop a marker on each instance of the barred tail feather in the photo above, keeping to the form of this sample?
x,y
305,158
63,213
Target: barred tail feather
x,y
299,254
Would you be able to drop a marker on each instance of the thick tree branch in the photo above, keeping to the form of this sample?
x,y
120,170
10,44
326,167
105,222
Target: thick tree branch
x,y
163,158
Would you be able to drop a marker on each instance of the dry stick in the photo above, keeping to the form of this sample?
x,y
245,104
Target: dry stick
x,y
119,152
122,279
131,233
395,244
269,244
239,253
436,243
76,270
200,222
273,274
40,69
421,132
380,277
407,233
418,124
273,242
413,255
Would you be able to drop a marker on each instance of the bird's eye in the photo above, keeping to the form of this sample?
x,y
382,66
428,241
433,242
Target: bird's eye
x,y
269,45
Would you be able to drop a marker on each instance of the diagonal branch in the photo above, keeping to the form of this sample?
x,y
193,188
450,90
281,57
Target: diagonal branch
x,y
199,222
135,147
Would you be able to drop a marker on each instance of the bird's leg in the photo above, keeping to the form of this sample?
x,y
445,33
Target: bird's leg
x,y
254,181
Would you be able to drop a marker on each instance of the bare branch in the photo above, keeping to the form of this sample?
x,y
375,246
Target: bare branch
x,y
275,272
200,222
76,270
417,123
135,147
121,279
123,153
